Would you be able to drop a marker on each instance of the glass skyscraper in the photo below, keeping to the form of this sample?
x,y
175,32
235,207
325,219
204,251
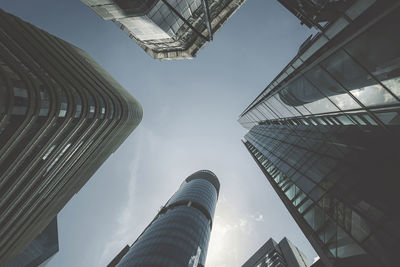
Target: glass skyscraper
x,y
315,13
272,254
61,116
180,232
325,133
167,29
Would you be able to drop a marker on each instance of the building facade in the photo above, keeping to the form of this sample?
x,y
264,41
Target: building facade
x,y
180,232
167,29
40,250
61,116
325,134
315,13
272,254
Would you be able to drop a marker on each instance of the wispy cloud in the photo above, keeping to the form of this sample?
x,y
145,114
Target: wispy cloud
x,y
257,217
229,231
125,217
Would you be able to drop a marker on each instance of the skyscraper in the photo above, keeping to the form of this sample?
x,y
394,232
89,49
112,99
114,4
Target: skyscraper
x,y
180,232
61,116
272,254
325,134
315,13
40,250
167,29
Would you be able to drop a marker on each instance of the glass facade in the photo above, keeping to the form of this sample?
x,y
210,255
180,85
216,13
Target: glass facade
x,y
168,29
61,116
179,234
325,134
272,254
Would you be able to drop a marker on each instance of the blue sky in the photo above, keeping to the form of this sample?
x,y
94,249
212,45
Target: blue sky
x,y
190,122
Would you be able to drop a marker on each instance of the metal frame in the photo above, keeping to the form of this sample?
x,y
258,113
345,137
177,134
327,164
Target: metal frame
x,y
206,16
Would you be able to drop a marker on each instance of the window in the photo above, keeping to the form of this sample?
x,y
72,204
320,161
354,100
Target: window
x,y
103,107
377,50
357,81
92,107
48,152
78,101
3,97
331,88
44,102
63,104
20,99
57,158
315,218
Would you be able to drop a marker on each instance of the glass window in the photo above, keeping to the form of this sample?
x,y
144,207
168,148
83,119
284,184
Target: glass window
x,y
315,218
346,247
305,184
20,98
78,101
377,49
92,107
48,152
359,227
305,205
102,107
331,89
328,234
3,95
344,120
291,192
63,104
389,118
356,80
359,120
369,119
57,158
44,102
299,198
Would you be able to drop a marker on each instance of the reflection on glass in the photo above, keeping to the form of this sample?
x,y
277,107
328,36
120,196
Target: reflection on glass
x,y
20,99
377,49
63,105
331,88
346,247
44,102
356,80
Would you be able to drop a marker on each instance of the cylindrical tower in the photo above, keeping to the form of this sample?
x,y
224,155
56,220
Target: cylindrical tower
x,y
179,234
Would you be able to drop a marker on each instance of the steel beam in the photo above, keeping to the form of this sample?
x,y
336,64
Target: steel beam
x,y
185,20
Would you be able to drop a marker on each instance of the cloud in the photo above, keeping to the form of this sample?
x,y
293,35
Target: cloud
x,y
257,217
229,233
125,218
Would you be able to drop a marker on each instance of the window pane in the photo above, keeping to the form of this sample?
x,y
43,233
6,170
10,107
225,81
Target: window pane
x,y
389,118
356,80
315,218
331,88
63,104
44,102
346,247
378,50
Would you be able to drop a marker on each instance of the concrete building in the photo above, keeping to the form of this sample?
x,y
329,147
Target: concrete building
x,y
272,254
179,234
325,134
61,117
167,29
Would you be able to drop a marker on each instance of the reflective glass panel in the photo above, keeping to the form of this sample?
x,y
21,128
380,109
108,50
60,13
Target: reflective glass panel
x,y
356,80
